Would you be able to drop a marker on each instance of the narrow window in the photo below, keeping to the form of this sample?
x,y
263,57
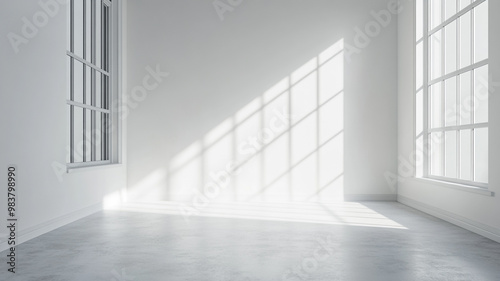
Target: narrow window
x,y
451,90
90,79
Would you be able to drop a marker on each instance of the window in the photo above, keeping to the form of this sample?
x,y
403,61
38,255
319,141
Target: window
x,y
92,132
451,90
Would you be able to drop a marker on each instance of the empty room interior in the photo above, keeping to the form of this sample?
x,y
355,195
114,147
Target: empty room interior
x,y
249,140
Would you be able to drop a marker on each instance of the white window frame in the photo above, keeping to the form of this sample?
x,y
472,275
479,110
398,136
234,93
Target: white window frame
x,y
427,83
109,135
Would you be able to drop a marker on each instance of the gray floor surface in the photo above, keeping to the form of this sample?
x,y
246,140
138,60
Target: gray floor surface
x,y
398,243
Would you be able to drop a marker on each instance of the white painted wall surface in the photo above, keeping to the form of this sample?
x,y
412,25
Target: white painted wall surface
x,y
219,65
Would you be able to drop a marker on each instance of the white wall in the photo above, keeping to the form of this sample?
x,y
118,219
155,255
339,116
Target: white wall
x,y
217,67
471,210
34,126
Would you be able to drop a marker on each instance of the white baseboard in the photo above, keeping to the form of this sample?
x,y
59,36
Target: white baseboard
x,y
37,230
476,227
370,197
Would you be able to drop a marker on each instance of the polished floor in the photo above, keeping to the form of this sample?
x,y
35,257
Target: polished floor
x,y
340,241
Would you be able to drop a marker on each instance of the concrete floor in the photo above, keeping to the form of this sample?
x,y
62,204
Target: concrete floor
x,y
367,241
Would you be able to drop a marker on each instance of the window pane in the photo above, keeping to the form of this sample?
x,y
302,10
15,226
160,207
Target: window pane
x,y
78,81
88,85
435,13
465,40
88,29
419,19
98,89
481,32
465,99
481,95
481,155
98,136
106,92
451,47
451,102
105,120
78,28
451,154
450,8
435,55
436,106
88,135
436,154
105,28
419,64
78,134
98,30
465,155
69,70
464,3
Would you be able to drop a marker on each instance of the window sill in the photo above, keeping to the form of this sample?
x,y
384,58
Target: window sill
x,y
463,187
71,170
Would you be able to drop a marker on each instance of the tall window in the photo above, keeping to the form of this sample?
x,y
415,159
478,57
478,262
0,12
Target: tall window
x,y
452,90
90,80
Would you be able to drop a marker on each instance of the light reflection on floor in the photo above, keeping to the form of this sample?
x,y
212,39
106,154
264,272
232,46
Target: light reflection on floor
x,y
338,213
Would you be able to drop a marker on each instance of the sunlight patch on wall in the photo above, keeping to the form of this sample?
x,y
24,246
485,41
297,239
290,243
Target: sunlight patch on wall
x,y
285,145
